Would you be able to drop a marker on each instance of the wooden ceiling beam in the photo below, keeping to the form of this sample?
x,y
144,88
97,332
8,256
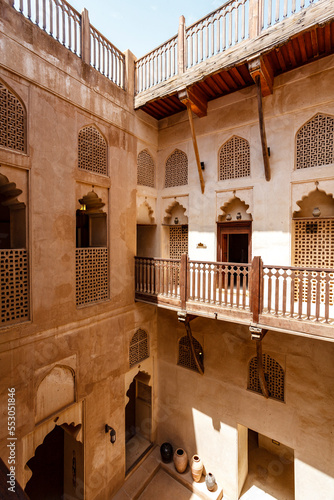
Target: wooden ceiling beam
x,y
261,67
281,60
314,41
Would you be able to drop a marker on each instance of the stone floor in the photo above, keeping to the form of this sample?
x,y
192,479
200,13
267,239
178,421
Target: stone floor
x,y
135,447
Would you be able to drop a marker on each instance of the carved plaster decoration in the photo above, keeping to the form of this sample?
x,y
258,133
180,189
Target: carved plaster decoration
x,y
146,209
224,198
168,204
303,189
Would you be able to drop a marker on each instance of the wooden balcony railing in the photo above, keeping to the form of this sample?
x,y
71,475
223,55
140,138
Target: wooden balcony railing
x,y
283,296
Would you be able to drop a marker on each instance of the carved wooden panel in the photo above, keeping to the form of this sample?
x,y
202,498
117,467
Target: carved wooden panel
x,y
176,173
185,357
234,159
274,376
91,275
315,142
139,347
14,300
12,121
178,241
145,169
314,247
92,151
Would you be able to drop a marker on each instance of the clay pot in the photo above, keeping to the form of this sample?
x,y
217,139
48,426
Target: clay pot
x,y
180,460
196,468
210,481
166,452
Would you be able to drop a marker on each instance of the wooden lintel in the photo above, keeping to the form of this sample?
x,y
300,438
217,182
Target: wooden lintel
x,y
265,153
262,380
196,99
261,67
193,135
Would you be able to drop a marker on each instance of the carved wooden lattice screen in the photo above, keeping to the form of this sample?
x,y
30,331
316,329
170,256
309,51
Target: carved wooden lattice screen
x,y
178,241
91,275
315,142
176,173
234,159
92,151
314,247
186,358
12,121
139,347
145,169
14,302
274,376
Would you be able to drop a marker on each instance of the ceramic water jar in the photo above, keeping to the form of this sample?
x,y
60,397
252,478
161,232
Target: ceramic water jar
x,y
196,466
180,460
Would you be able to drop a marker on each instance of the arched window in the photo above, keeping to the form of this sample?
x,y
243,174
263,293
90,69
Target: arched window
x,y
145,169
176,173
12,121
139,347
315,142
186,358
273,373
92,151
234,159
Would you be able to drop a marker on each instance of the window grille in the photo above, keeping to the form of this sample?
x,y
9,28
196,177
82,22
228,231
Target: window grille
x,y
176,173
92,151
145,169
14,286
314,247
12,121
273,373
178,241
139,347
91,275
315,142
234,159
186,358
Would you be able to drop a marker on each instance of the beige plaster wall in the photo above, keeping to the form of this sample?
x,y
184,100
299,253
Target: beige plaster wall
x,y
202,413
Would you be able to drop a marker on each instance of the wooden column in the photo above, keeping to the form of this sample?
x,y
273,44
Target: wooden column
x,y
184,280
256,288
181,46
85,36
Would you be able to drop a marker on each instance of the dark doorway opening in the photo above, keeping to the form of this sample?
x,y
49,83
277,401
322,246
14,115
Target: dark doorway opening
x,y
234,245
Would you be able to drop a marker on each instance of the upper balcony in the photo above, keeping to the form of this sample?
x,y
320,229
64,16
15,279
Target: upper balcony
x,y
226,50
290,299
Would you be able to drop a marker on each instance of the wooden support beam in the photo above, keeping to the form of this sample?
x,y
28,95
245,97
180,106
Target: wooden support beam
x,y
198,362
183,96
265,153
256,288
262,380
260,66
196,99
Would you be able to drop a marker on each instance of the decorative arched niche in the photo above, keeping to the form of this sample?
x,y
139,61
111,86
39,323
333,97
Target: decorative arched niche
x,y
145,213
176,213
12,120
55,392
176,169
315,142
234,210
92,150
145,169
316,204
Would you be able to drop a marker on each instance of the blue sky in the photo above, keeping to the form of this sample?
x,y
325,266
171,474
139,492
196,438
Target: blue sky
x,y
142,25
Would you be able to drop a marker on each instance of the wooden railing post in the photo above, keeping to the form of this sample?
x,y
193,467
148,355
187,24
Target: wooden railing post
x,y
10,2
255,18
181,46
256,288
85,36
183,279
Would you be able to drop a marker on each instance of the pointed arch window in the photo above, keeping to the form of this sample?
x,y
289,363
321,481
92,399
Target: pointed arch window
x,y
145,169
92,150
185,357
315,142
12,121
139,347
273,373
176,172
234,159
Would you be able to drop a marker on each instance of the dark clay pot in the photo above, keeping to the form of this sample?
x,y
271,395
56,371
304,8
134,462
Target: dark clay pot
x,y
166,452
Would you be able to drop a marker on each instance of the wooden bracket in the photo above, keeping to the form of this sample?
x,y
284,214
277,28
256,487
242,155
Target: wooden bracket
x,y
260,66
257,333
196,99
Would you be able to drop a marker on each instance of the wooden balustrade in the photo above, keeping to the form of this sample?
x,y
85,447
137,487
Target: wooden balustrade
x,y
283,292
275,11
106,58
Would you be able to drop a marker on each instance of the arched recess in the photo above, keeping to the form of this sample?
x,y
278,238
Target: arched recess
x,y
176,169
55,392
234,159
12,120
234,210
145,169
92,150
274,375
145,214
315,142
185,356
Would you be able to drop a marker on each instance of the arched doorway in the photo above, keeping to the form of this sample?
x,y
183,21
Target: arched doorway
x,y
138,419
57,466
